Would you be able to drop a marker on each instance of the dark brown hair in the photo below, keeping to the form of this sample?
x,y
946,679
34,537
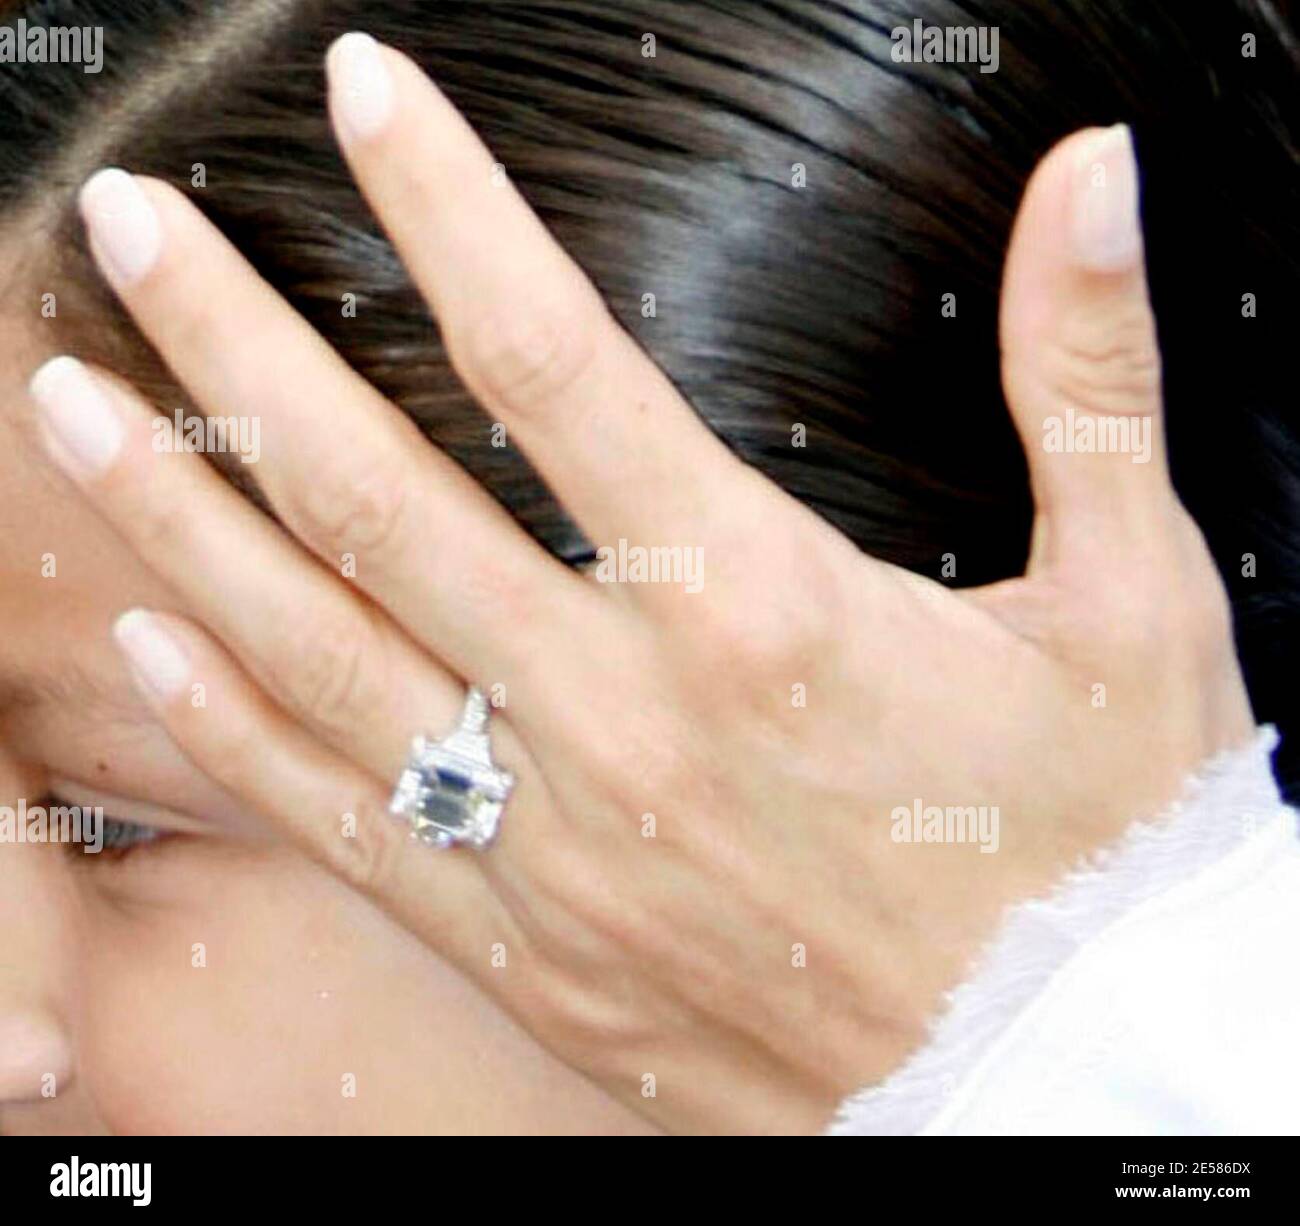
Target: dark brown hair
x,y
781,298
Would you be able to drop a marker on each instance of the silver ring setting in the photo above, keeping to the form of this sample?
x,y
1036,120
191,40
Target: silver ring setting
x,y
451,792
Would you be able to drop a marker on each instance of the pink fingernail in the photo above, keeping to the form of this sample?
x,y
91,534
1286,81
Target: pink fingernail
x,y
82,431
360,84
123,224
161,667
1105,226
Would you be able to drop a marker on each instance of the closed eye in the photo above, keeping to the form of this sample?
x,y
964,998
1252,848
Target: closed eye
x,y
102,836
120,836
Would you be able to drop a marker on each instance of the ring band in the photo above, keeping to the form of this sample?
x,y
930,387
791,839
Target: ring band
x,y
451,792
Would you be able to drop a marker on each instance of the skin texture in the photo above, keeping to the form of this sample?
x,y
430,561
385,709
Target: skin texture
x,y
676,956
306,981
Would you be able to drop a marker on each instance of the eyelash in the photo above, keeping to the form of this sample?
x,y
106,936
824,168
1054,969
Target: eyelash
x,y
121,837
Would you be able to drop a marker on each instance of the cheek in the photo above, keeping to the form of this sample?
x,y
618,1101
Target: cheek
x,y
213,1015
258,1007
310,1014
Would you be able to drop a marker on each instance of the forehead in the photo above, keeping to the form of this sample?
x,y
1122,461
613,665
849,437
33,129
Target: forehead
x,y
68,708
70,712
64,573
69,682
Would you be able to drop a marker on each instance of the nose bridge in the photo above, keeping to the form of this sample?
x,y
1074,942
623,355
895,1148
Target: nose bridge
x,y
36,1051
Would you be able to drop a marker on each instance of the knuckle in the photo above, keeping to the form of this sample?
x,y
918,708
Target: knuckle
x,y
227,745
1133,627
1148,622
1171,605
347,514
371,859
161,530
329,673
762,641
1201,606
524,361
1115,369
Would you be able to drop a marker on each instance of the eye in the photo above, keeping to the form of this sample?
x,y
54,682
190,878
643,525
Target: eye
x,y
119,836
123,836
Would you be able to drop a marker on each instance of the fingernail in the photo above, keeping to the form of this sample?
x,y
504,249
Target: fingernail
x,y
161,668
82,430
361,84
1107,230
122,223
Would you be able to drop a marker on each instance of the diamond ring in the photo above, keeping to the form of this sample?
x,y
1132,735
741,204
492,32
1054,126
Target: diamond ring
x,y
451,792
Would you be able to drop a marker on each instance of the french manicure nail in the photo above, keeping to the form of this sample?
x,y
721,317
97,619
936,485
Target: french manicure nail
x,y
122,223
82,430
361,85
1106,228
161,668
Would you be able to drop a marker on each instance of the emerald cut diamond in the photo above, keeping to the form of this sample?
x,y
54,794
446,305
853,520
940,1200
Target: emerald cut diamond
x,y
451,791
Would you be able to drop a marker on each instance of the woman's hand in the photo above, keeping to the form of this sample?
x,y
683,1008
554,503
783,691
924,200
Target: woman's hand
x,y
699,896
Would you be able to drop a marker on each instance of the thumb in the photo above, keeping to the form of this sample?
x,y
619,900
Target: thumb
x,y
1080,362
